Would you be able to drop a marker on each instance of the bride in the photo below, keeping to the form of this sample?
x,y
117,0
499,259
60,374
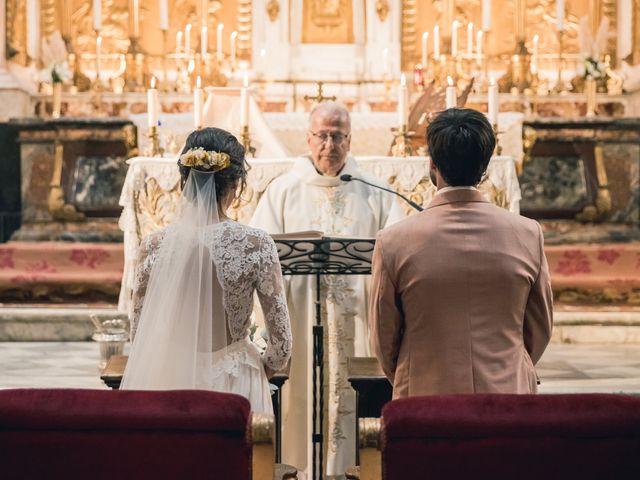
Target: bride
x,y
195,281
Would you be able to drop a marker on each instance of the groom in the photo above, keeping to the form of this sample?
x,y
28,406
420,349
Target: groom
x,y
461,299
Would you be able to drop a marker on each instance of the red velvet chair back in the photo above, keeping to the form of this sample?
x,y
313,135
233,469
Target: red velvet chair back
x,y
98,434
512,437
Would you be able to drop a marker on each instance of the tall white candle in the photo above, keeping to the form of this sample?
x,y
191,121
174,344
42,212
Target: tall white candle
x,y
470,39
136,18
479,37
385,61
204,39
198,102
98,54
493,103
164,15
97,15
402,101
451,95
436,42
244,102
33,28
232,47
425,51
187,39
152,104
179,36
454,38
534,54
560,15
219,42
486,15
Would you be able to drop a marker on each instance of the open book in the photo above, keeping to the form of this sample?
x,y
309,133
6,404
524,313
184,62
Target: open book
x,y
304,235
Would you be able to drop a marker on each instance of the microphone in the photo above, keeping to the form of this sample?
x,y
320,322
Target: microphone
x,y
348,178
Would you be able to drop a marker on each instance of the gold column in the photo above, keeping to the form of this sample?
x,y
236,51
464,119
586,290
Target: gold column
x,y
520,21
409,33
635,42
244,13
595,14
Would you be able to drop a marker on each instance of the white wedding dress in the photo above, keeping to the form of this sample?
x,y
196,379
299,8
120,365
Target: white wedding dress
x,y
193,298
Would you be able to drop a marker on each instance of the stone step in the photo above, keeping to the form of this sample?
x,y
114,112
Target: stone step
x,y
55,324
596,326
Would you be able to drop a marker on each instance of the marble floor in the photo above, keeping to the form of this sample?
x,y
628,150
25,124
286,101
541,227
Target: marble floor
x,y
564,368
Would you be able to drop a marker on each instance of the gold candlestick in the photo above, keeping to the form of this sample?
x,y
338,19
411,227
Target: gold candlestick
x,y
153,148
498,149
559,87
401,146
245,136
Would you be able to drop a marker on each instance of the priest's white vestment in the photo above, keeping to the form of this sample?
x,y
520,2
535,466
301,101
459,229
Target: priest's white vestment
x,y
303,200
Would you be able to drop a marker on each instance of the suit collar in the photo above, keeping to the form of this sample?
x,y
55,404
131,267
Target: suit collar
x,y
457,196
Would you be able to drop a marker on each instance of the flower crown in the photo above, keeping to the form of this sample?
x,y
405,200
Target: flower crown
x,y
200,159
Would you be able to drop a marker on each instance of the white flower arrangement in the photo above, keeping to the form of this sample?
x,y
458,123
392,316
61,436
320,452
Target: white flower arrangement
x,y
593,69
54,56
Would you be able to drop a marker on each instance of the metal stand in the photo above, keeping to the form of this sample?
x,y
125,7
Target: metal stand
x,y
318,257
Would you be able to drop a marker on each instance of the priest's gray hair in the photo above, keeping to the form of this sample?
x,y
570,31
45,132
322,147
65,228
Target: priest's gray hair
x,y
331,109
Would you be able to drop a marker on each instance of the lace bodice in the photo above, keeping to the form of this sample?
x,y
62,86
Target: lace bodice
x,y
247,260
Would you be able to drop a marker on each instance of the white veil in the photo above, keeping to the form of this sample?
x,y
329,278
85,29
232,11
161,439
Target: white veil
x,y
182,322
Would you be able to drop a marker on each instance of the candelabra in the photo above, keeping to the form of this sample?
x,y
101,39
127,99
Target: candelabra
x,y
401,146
559,87
498,149
153,148
245,137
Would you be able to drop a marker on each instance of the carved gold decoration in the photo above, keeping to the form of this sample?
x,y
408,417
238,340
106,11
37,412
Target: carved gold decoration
x,y
245,15
602,206
635,39
382,9
261,434
154,207
421,194
497,196
327,21
370,431
320,97
17,31
48,21
529,137
401,146
604,295
409,35
273,10
58,208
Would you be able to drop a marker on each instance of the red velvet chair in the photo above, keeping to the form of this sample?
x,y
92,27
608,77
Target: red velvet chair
x,y
586,436
97,434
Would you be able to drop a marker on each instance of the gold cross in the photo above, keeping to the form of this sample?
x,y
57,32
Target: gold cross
x,y
320,97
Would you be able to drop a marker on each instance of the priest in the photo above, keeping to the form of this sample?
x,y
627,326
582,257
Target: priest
x,y
312,197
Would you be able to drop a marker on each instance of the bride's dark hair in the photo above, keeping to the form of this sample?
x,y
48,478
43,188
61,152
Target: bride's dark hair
x,y
218,140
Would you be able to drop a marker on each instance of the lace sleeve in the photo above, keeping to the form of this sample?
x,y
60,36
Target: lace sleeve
x,y
274,307
146,257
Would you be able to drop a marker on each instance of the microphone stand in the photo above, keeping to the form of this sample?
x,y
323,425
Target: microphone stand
x,y
349,178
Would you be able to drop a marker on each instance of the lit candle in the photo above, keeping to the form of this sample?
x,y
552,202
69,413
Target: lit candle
x,y
385,61
98,52
470,39
560,15
219,42
493,102
164,15
534,55
244,102
198,101
454,38
97,15
152,104
486,15
204,38
187,39
179,42
402,101
436,42
451,95
234,37
425,52
479,37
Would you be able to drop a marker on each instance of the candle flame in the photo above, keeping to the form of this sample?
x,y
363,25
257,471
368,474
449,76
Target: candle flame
x,y
188,28
220,27
263,52
455,24
153,82
536,37
234,34
425,36
450,80
191,65
179,36
403,80
470,26
99,40
204,30
492,81
198,82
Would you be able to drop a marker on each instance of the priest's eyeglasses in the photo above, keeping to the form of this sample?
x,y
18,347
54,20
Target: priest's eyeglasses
x,y
336,137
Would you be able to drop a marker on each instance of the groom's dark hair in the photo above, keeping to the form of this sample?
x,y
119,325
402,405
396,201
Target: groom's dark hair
x,y
461,142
